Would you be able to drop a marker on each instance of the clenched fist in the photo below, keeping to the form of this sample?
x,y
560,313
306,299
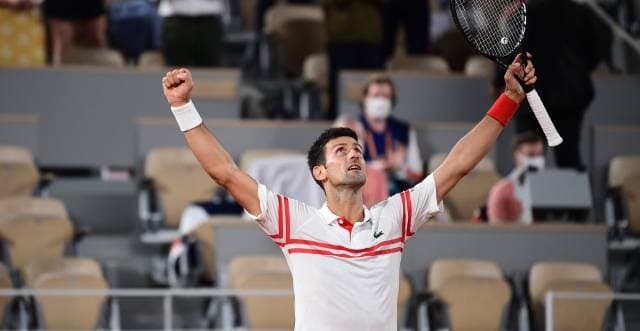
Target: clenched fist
x,y
177,85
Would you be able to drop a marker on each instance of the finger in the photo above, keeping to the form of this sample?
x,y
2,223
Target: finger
x,y
171,79
510,71
182,76
516,60
165,82
529,66
532,81
530,74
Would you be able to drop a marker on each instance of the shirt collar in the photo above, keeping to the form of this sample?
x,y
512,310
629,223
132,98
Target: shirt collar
x,y
329,217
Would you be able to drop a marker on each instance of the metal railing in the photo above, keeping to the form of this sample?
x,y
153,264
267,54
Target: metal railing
x,y
167,295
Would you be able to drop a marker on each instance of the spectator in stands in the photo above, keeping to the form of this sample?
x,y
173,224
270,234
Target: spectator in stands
x,y
193,32
569,42
415,17
75,23
389,143
24,44
354,36
509,198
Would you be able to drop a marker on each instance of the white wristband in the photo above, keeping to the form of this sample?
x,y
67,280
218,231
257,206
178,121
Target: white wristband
x,y
187,116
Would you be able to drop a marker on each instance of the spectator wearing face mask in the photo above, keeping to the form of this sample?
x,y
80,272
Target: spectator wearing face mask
x,y
389,144
509,199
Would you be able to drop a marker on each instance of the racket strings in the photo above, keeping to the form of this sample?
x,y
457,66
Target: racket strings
x,y
495,28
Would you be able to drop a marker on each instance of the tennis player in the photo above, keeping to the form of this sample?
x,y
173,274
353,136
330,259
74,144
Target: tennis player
x,y
344,257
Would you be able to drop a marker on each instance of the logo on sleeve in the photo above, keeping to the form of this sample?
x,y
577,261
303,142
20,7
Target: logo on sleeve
x,y
377,234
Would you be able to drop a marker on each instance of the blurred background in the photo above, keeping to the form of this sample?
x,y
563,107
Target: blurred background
x,y
108,222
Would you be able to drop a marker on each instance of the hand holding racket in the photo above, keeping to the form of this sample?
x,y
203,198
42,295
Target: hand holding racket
x,y
496,28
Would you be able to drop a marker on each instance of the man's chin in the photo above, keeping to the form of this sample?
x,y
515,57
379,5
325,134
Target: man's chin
x,y
356,180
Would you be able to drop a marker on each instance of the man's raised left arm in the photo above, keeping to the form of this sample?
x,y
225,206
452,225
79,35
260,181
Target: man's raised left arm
x,y
471,148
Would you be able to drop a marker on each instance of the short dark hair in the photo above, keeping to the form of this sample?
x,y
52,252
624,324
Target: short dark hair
x,y
380,79
527,137
316,154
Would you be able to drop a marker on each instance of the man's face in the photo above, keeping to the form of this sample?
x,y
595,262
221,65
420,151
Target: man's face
x,y
344,164
528,151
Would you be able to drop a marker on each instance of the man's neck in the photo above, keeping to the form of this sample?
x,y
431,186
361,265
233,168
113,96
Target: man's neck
x,y
346,202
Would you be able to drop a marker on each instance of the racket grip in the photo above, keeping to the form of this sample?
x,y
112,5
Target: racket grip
x,y
553,137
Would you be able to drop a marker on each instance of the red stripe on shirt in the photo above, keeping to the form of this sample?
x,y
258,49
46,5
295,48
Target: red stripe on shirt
x,y
288,218
409,212
279,234
346,249
404,220
329,253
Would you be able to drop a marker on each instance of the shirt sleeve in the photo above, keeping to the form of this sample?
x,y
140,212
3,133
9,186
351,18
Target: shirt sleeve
x,y
414,207
279,215
422,204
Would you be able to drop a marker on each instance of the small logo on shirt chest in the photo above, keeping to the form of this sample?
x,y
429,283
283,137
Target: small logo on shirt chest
x,y
377,234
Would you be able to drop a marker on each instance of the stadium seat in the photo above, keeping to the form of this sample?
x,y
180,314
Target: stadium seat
x,y
472,191
425,64
33,229
443,270
18,172
573,277
263,272
479,66
457,287
173,180
475,304
624,178
298,31
70,273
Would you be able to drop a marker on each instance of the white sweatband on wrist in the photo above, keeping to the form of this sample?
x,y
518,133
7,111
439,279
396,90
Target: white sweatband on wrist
x,y
187,116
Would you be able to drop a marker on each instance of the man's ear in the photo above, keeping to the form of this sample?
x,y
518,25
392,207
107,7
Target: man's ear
x,y
319,173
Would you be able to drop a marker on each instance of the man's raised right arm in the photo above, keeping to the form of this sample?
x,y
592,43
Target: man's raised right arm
x,y
216,161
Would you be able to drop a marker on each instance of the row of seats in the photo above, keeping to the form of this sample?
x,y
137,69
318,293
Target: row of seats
x,y
460,294
35,234
465,285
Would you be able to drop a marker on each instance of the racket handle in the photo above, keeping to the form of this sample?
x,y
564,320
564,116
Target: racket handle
x,y
553,137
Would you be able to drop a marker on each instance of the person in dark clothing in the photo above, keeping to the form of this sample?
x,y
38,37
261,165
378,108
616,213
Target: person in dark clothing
x,y
70,23
568,41
415,16
354,35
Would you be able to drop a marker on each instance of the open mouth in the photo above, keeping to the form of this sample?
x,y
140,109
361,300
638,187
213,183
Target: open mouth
x,y
355,167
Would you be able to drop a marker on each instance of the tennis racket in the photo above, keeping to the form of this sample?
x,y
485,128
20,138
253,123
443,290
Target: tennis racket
x,y
495,28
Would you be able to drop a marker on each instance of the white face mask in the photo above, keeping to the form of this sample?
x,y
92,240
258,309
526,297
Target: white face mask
x,y
536,162
377,107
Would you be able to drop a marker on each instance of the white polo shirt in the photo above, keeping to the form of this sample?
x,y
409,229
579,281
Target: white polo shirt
x,y
346,279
